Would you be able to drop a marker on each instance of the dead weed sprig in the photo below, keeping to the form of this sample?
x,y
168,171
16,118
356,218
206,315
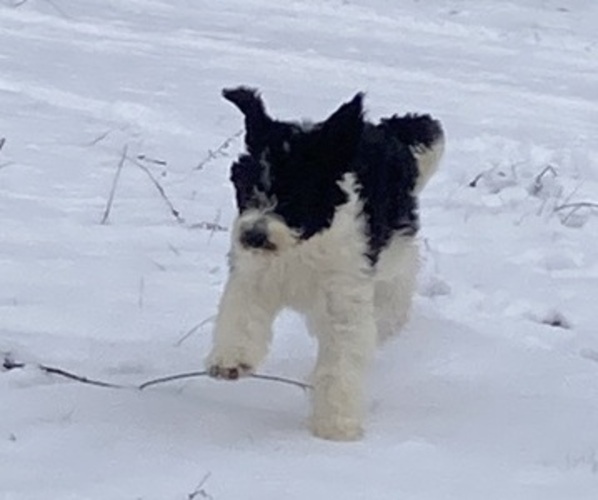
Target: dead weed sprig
x,y
219,151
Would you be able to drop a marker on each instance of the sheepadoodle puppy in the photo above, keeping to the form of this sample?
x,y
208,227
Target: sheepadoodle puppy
x,y
327,223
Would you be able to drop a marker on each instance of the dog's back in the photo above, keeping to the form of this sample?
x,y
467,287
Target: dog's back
x,y
395,159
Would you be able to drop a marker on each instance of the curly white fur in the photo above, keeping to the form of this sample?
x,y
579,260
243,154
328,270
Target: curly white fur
x,y
348,306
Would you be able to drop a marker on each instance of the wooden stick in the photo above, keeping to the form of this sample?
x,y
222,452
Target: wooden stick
x,y
9,364
176,214
204,373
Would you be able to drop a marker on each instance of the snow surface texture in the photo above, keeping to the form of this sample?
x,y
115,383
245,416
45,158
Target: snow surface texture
x,y
490,393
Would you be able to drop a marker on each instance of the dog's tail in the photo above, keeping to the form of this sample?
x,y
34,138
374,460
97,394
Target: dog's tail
x,y
425,138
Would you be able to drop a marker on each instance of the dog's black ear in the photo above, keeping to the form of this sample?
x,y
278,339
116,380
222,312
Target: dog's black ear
x,y
251,105
343,128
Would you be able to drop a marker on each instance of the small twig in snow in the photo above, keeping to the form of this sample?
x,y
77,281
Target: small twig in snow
x,y
174,249
172,378
9,364
2,142
194,329
537,185
99,138
210,226
548,169
204,373
219,151
474,182
119,168
496,167
199,490
283,380
175,213
576,206
575,190
216,224
155,161
213,227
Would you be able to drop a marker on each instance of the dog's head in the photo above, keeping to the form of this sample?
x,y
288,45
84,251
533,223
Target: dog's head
x,y
287,184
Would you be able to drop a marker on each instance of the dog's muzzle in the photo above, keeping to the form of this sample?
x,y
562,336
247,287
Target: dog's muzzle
x,y
256,237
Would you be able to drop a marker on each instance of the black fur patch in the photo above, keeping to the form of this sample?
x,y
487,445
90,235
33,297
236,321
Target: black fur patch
x,y
294,171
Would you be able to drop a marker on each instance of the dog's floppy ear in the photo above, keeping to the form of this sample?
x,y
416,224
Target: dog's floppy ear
x,y
251,105
343,128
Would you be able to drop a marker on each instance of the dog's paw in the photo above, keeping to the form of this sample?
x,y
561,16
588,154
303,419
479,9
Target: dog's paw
x,y
229,364
229,372
337,429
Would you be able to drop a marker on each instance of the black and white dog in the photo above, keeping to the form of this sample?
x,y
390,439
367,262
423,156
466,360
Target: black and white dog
x,y
326,226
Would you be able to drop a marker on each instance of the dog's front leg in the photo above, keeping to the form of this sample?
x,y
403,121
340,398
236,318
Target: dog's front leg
x,y
243,328
346,333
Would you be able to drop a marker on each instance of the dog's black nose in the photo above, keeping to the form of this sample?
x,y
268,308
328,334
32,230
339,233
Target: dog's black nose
x,y
255,238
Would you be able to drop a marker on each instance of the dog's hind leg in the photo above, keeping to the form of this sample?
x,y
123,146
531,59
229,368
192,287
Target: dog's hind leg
x,y
346,333
243,328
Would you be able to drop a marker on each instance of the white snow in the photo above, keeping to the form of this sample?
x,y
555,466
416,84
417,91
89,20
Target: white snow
x,y
480,398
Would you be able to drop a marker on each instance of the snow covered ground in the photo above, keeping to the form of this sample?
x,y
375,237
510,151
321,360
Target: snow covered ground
x,y
492,390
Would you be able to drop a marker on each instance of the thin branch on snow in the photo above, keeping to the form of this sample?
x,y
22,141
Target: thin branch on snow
x,y
155,161
2,142
576,206
496,167
204,373
282,380
570,196
99,138
548,169
175,213
214,227
474,182
219,151
119,168
172,378
199,490
194,329
537,185
9,364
